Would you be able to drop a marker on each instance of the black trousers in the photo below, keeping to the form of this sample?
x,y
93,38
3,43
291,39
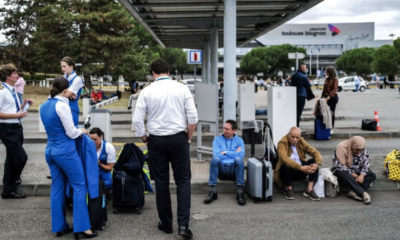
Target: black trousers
x,y
347,179
290,174
332,105
301,102
12,137
172,149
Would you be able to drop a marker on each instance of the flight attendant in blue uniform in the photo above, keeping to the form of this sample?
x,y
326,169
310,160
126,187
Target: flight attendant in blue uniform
x,y
75,86
105,154
64,162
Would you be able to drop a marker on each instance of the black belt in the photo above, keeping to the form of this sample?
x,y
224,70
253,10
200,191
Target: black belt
x,y
11,124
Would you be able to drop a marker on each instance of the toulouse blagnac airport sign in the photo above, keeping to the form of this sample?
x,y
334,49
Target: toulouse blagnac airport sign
x,y
320,31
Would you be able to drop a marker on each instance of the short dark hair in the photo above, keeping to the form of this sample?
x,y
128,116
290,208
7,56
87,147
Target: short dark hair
x,y
97,131
159,66
6,71
69,61
59,85
232,123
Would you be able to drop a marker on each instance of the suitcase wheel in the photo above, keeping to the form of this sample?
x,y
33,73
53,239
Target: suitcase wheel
x,y
115,211
138,211
103,227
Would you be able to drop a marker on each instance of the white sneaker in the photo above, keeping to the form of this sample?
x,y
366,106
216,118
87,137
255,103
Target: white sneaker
x,y
332,131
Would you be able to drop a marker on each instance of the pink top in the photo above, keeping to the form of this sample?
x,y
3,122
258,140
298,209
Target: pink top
x,y
19,85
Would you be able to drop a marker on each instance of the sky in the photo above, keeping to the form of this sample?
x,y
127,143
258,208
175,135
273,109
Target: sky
x,y
385,14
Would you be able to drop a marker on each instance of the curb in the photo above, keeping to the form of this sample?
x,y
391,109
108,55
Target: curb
x,y
41,189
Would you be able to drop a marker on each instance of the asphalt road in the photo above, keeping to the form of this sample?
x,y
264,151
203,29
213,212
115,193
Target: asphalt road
x,y
338,218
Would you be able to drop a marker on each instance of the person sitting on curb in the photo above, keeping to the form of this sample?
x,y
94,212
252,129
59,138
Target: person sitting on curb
x,y
292,163
351,166
227,162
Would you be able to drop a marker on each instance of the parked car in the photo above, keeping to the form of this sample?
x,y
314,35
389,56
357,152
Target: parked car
x,y
190,83
347,83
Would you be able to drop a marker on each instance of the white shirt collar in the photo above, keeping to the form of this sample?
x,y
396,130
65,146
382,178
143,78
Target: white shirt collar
x,y
64,99
9,86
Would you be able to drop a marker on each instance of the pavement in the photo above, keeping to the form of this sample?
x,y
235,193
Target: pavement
x,y
351,109
330,218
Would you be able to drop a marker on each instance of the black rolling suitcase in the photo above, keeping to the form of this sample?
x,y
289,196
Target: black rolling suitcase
x,y
98,208
128,192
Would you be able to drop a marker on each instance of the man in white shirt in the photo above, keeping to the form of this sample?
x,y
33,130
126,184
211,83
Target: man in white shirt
x,y
357,81
171,110
11,132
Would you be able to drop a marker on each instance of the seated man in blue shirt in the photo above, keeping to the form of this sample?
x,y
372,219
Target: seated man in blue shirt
x,y
227,162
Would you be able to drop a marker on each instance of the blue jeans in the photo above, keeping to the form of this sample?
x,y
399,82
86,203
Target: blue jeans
x,y
357,85
226,171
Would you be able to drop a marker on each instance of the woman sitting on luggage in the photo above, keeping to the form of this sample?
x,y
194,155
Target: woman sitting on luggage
x,y
351,166
105,154
64,162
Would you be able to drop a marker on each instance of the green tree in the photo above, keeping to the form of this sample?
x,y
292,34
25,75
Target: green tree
x,y
18,24
269,60
357,60
176,59
396,44
99,34
386,60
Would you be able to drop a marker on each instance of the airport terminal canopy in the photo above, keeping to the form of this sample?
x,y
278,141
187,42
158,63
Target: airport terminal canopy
x,y
187,23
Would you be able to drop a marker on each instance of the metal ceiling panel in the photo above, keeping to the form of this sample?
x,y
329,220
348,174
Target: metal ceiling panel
x,y
187,23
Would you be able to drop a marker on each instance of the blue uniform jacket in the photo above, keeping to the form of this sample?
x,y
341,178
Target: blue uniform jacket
x,y
88,154
300,81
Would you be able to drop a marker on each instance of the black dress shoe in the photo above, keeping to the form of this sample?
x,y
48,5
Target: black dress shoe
x,y
240,199
48,177
68,230
85,235
211,197
185,232
164,229
12,195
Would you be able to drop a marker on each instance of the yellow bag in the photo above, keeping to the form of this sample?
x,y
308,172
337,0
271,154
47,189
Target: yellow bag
x,y
392,165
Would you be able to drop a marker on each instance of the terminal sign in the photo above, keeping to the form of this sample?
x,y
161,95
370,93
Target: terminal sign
x,y
194,57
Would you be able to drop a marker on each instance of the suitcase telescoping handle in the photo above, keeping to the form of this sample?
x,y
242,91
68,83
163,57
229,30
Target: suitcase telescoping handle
x,y
270,139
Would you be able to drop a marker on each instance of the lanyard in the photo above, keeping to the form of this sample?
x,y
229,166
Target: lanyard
x,y
14,95
162,78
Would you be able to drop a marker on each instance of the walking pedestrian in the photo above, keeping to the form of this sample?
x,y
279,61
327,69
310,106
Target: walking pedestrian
x,y
171,110
11,132
377,82
330,92
75,86
357,81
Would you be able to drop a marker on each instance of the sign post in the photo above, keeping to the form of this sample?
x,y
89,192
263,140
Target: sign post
x,y
296,56
194,57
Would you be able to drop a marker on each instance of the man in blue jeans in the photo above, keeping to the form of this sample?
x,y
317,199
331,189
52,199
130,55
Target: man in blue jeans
x,y
227,162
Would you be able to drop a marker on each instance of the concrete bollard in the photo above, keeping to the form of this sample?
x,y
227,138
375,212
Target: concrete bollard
x,y
133,111
41,126
40,83
85,106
